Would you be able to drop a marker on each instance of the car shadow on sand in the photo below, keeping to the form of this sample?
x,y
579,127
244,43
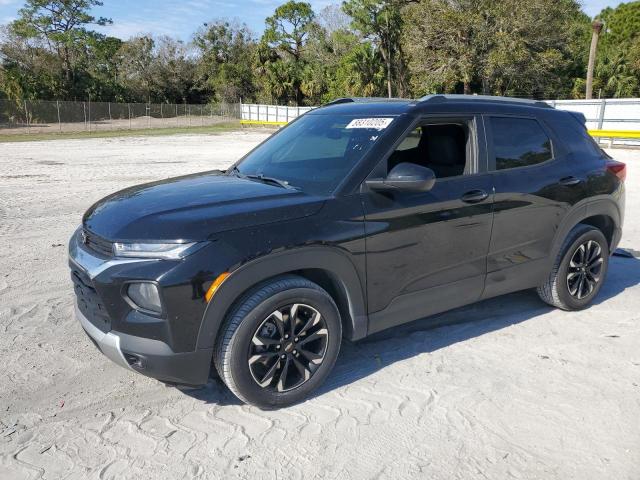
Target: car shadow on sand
x,y
361,359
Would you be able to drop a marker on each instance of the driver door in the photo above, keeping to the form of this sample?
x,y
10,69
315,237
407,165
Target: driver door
x,y
427,251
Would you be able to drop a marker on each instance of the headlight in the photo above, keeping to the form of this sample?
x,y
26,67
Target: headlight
x,y
145,295
171,251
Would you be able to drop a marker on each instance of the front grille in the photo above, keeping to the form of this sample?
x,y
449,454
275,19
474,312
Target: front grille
x,y
89,302
97,244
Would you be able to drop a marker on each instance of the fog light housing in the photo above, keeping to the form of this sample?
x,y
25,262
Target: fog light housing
x,y
133,360
145,296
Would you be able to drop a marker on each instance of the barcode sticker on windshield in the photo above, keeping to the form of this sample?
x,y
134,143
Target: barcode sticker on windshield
x,y
376,123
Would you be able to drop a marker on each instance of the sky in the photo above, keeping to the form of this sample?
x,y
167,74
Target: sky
x,y
180,18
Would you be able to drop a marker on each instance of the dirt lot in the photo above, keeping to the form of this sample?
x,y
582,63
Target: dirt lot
x,y
520,390
136,123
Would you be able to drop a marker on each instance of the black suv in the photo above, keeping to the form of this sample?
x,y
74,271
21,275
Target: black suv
x,y
358,216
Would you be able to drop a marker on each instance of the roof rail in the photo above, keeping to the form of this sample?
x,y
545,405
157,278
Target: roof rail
x,y
338,101
440,98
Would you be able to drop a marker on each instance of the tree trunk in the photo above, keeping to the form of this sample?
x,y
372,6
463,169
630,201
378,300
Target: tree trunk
x,y
485,86
467,87
298,93
389,76
597,28
388,59
67,70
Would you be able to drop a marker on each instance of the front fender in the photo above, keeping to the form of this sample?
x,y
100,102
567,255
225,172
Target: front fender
x,y
331,260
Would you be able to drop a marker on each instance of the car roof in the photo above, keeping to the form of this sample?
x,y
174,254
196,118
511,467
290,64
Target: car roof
x,y
365,106
432,104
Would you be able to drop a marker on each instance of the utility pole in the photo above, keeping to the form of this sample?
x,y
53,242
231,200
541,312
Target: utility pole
x,y
597,28
388,57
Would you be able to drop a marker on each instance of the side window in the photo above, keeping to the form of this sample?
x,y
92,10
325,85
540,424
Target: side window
x,y
519,142
410,141
444,148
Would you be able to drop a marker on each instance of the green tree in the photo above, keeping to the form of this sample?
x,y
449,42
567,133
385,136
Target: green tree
x,y
156,70
286,34
618,62
329,42
361,72
512,47
225,67
103,68
622,24
28,70
136,67
173,72
382,21
60,25
616,77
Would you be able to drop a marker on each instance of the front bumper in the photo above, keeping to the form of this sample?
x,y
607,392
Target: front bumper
x,y
108,343
150,356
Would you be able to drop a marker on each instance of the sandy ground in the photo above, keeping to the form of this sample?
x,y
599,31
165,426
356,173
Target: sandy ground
x,y
517,391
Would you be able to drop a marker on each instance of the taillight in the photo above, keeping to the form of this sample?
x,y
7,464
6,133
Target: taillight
x,y
619,169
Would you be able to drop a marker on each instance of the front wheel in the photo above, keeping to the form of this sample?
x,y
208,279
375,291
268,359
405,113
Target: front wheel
x,y
579,270
279,343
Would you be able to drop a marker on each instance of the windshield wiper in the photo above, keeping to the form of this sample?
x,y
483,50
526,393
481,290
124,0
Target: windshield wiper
x,y
261,178
271,180
235,171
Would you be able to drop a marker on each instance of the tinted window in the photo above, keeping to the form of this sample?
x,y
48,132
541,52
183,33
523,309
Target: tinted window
x,y
315,152
576,137
519,142
440,147
411,140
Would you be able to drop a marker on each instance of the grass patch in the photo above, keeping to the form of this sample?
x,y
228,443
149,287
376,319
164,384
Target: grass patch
x,y
143,132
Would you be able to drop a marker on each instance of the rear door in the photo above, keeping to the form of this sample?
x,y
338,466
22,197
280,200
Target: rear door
x,y
426,251
532,183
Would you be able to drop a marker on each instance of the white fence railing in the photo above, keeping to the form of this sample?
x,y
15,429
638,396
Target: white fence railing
x,y
270,113
601,114
605,114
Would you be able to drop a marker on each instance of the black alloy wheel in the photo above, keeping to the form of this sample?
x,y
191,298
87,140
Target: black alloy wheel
x,y
579,269
288,347
585,268
280,342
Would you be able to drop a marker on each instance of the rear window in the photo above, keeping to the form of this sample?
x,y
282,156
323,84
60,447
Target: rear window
x,y
519,142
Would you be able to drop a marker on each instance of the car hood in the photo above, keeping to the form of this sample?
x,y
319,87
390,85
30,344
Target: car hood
x,y
195,207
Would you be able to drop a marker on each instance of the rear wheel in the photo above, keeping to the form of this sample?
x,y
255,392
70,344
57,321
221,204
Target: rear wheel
x,y
579,270
279,343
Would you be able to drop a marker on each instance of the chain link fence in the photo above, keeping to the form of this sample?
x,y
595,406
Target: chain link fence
x,y
40,116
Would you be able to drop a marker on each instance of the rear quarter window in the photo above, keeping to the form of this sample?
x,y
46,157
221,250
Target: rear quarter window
x,y
576,138
519,142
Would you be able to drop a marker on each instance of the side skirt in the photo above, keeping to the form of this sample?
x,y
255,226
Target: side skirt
x,y
416,305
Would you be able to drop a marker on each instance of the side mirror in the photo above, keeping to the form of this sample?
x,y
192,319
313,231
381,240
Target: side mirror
x,y
406,176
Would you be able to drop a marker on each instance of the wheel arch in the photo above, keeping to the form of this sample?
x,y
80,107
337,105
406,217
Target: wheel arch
x,y
603,214
604,223
327,266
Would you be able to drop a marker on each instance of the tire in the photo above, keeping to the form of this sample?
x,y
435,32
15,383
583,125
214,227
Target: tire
x,y
561,288
246,355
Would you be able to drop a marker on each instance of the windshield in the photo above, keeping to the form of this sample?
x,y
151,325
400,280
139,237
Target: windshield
x,y
315,152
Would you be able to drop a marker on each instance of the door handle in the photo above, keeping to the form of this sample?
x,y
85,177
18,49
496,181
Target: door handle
x,y
475,196
569,181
